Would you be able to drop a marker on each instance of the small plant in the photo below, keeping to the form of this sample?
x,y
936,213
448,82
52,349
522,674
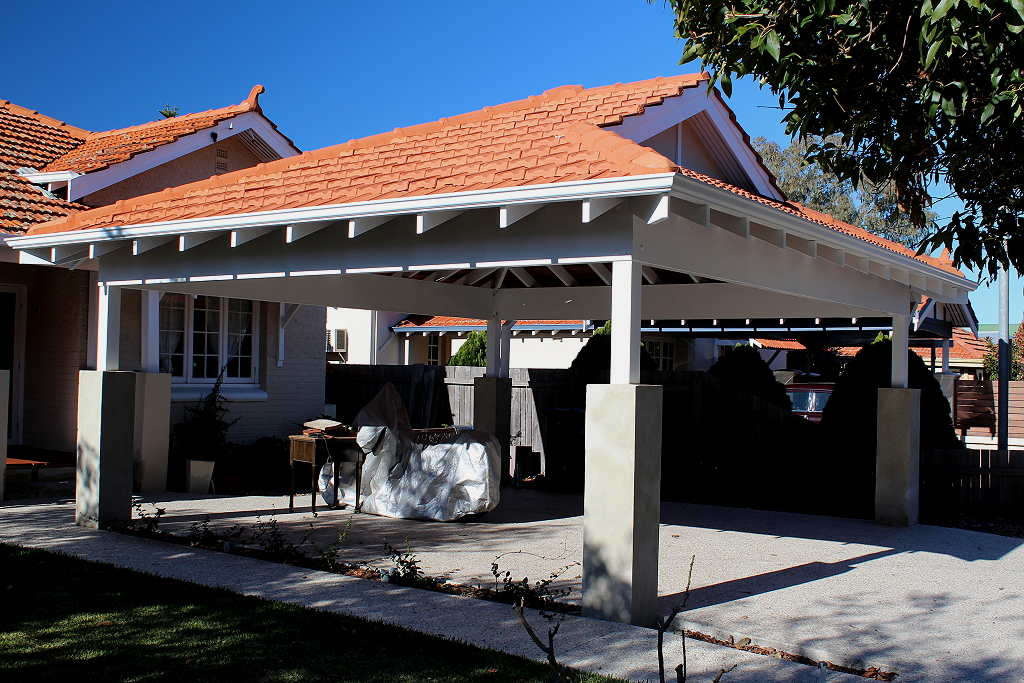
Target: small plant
x,y
328,555
560,673
540,590
169,111
407,571
148,522
203,534
274,543
664,623
203,433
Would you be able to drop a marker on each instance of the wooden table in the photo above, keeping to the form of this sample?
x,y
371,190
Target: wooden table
x,y
302,448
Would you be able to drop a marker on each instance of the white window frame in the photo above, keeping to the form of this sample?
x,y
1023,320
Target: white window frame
x,y
187,378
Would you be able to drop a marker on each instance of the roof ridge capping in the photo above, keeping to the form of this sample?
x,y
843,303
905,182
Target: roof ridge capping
x,y
249,104
45,120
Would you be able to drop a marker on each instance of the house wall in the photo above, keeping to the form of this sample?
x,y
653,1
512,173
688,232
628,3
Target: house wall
x,y
695,155
198,165
295,391
360,325
56,305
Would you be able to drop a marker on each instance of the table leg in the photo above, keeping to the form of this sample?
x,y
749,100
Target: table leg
x,y
312,486
291,486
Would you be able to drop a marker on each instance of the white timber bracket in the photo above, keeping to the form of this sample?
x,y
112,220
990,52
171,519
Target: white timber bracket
x,y
288,312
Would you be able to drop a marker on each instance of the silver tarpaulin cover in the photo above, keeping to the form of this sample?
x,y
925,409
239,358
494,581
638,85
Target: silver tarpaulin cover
x,y
404,477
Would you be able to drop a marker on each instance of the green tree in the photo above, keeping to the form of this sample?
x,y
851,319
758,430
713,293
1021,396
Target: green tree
x,y
742,367
991,359
473,352
168,112
869,206
920,92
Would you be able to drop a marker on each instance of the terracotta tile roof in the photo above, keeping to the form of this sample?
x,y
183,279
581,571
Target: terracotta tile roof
x,y
560,136
783,344
30,140
418,321
965,347
101,150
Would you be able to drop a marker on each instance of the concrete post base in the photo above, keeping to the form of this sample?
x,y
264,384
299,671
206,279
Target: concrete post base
x,y
5,384
492,412
152,426
622,503
106,447
897,461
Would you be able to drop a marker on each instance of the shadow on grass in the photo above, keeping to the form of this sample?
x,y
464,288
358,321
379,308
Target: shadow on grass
x,y
96,622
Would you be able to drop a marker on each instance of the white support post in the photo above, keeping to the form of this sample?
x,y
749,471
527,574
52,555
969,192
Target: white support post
x,y
150,361
108,328
505,347
626,280
493,345
946,345
5,380
92,333
900,341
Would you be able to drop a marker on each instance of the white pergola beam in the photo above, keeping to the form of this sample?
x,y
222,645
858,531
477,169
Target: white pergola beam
x,y
194,239
102,248
359,226
296,231
804,246
691,211
69,252
476,276
430,220
857,262
512,213
240,237
650,275
737,225
524,277
652,208
602,272
144,244
562,274
592,208
772,236
836,256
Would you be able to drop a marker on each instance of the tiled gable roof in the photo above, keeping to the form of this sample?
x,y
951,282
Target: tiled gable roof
x,y
101,150
560,136
547,139
965,347
30,140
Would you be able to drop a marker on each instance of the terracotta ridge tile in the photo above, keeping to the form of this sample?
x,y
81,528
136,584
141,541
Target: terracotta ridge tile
x,y
45,120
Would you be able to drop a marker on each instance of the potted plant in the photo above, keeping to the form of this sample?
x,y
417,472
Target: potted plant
x,y
202,438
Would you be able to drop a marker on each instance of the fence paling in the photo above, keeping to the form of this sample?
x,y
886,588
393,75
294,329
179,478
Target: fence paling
x,y
972,478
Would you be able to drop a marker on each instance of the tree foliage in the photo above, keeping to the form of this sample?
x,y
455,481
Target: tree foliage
x,y
742,367
991,359
920,92
472,352
870,206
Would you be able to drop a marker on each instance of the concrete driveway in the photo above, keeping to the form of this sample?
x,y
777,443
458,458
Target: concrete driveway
x,y
935,604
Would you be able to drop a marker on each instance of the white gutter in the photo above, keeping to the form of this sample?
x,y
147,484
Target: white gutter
x,y
555,192
40,177
678,185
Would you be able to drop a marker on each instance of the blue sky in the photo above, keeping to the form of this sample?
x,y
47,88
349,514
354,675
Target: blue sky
x,y
343,69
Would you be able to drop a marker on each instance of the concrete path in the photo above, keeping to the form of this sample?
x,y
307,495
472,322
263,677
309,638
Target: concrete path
x,y
934,604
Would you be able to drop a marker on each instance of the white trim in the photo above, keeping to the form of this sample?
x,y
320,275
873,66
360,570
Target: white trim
x,y
594,259
44,177
144,161
441,266
513,264
379,269
303,273
210,278
259,276
554,192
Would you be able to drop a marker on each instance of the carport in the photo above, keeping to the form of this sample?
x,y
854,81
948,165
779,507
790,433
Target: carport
x,y
577,222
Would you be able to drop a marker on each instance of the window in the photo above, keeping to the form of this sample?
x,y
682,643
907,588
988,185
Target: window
x,y
200,335
433,349
663,353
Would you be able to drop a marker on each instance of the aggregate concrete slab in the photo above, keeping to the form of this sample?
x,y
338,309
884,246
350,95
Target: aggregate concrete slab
x,y
933,603
615,649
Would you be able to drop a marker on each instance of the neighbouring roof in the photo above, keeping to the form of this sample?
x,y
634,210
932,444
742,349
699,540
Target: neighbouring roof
x,y
439,322
101,150
563,135
965,347
782,344
30,140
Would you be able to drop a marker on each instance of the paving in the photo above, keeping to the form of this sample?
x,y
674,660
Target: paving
x,y
931,603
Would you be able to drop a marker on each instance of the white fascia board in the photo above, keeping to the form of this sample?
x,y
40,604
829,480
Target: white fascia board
x,y
696,191
144,161
50,177
658,183
691,102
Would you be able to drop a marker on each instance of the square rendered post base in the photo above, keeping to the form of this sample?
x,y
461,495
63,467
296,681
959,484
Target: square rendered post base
x,y
5,379
622,503
492,412
152,430
898,455
106,448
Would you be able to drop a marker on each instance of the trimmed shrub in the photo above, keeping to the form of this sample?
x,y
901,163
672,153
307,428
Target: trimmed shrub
x,y
596,354
742,368
473,352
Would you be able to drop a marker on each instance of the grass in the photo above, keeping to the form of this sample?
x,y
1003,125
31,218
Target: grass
x,y
68,619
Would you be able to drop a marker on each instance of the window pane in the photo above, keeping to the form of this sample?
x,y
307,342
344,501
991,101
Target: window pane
x,y
172,334
240,326
206,337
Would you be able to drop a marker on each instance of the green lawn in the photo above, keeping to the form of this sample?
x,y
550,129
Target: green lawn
x,y
66,619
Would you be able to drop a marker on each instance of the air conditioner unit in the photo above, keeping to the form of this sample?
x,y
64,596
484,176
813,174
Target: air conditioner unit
x,y
341,341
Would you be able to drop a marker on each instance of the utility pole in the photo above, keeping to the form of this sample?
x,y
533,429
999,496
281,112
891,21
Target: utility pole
x,y
1003,401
